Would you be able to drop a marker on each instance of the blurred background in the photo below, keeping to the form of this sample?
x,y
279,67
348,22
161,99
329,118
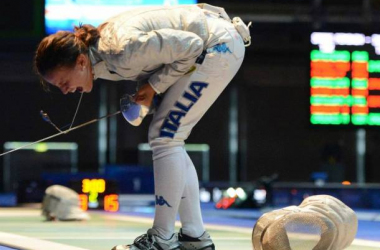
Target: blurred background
x,y
260,134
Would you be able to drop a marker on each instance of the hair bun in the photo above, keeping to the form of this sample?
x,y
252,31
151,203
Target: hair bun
x,y
87,33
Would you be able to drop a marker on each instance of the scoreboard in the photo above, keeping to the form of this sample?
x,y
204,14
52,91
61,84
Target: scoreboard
x,y
65,14
345,79
95,194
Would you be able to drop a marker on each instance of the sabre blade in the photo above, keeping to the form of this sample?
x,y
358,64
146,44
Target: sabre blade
x,y
62,132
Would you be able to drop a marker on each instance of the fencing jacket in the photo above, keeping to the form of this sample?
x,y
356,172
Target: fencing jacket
x,y
156,44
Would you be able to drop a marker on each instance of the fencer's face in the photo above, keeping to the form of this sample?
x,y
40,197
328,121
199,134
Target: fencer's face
x,y
69,80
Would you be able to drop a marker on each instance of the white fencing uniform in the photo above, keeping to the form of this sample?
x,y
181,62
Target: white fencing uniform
x,y
184,104
190,54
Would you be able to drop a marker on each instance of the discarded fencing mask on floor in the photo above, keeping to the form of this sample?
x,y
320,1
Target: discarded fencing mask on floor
x,y
320,222
62,203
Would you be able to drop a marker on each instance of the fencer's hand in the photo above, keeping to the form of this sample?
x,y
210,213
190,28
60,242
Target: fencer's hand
x,y
144,95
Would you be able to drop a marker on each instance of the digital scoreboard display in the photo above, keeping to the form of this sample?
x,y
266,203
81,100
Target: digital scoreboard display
x,y
345,79
65,14
97,194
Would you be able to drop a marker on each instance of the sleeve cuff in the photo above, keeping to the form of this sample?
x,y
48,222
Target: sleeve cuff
x,y
154,87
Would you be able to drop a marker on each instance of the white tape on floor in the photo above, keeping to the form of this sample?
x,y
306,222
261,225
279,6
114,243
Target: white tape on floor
x,y
28,243
16,213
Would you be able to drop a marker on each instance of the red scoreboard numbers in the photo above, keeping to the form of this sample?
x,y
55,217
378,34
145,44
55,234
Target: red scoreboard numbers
x,y
94,194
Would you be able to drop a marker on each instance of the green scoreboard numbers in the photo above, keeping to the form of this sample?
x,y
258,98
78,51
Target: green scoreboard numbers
x,y
345,79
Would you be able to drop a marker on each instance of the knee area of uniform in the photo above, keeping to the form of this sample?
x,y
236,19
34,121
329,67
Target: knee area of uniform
x,y
162,147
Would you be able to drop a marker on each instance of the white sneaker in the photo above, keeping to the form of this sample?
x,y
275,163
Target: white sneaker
x,y
204,242
151,241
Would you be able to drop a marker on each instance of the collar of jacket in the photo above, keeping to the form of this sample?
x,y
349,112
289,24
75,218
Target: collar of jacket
x,y
99,67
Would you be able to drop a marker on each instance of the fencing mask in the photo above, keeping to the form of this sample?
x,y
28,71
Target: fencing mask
x,y
62,203
320,222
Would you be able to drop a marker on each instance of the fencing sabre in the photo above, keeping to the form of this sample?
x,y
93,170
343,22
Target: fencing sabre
x,y
132,112
63,132
46,118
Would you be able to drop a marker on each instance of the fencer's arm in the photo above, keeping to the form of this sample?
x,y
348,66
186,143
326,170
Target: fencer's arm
x,y
175,49
144,95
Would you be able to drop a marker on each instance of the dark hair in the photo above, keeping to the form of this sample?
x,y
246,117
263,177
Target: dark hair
x,y
62,49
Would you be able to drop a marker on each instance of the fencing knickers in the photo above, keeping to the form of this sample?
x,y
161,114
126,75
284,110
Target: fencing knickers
x,y
320,222
62,203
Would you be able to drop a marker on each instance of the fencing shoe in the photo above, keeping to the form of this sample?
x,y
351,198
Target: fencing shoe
x,y
204,242
151,241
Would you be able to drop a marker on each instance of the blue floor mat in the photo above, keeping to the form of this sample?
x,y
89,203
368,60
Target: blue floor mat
x,y
6,248
369,230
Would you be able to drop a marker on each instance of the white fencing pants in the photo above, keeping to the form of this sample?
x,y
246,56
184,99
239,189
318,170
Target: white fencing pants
x,y
184,104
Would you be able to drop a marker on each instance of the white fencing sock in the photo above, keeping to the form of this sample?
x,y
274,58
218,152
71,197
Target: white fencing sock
x,y
189,209
169,182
